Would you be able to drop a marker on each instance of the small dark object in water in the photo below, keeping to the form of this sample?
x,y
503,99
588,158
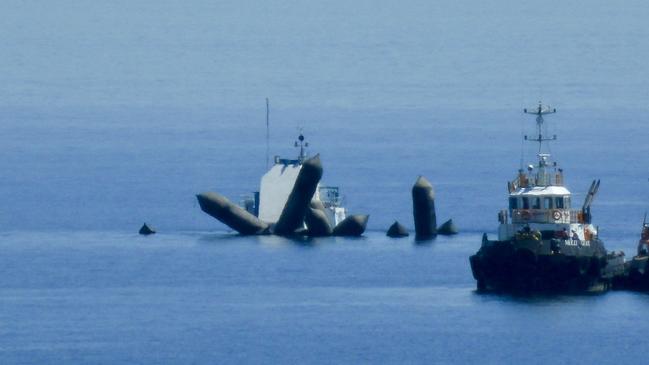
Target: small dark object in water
x,y
397,230
147,230
423,209
230,214
317,223
448,228
295,210
354,225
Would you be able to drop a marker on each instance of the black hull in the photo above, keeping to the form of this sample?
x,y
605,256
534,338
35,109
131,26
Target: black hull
x,y
637,274
544,266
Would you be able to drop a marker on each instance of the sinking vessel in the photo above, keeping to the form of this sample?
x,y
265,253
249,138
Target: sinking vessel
x,y
276,185
290,202
543,243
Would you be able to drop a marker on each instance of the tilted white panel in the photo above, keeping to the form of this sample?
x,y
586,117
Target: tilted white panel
x,y
276,185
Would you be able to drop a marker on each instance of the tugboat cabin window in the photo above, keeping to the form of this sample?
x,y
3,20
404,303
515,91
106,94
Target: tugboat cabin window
x,y
547,203
526,202
536,203
513,203
562,202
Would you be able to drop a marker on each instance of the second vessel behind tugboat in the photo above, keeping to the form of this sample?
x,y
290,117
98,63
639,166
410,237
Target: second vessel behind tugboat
x,y
543,244
637,269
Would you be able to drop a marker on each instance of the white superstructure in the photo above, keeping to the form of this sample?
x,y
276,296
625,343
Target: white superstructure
x,y
539,200
276,186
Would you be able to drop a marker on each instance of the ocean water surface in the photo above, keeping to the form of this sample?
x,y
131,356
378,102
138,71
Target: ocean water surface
x,y
119,113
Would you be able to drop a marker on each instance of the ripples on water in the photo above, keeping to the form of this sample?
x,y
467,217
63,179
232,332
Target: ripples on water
x,y
211,297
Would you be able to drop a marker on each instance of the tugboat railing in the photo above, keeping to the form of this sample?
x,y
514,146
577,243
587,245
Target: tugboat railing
x,y
524,181
547,216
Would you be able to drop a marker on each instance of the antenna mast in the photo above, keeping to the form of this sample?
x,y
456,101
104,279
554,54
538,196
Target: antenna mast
x,y
267,133
539,112
302,144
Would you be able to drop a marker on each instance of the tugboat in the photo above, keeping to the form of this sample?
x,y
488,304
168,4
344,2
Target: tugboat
x,y
543,244
276,185
637,276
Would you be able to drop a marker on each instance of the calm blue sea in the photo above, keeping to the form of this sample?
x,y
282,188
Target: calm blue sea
x,y
117,113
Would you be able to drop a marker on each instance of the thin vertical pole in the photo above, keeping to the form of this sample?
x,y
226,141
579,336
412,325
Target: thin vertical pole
x,y
267,134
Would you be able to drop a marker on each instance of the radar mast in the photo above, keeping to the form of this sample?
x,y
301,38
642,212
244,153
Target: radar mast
x,y
543,176
302,144
540,111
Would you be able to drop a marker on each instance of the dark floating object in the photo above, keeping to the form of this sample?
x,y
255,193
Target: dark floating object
x,y
146,230
423,209
296,207
397,230
230,214
317,204
448,228
354,225
317,223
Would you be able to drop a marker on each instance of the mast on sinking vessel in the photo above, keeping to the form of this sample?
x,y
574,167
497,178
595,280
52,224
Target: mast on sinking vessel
x,y
267,134
302,144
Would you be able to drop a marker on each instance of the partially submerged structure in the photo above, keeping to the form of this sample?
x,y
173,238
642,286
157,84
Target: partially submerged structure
x,y
424,215
146,230
290,201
